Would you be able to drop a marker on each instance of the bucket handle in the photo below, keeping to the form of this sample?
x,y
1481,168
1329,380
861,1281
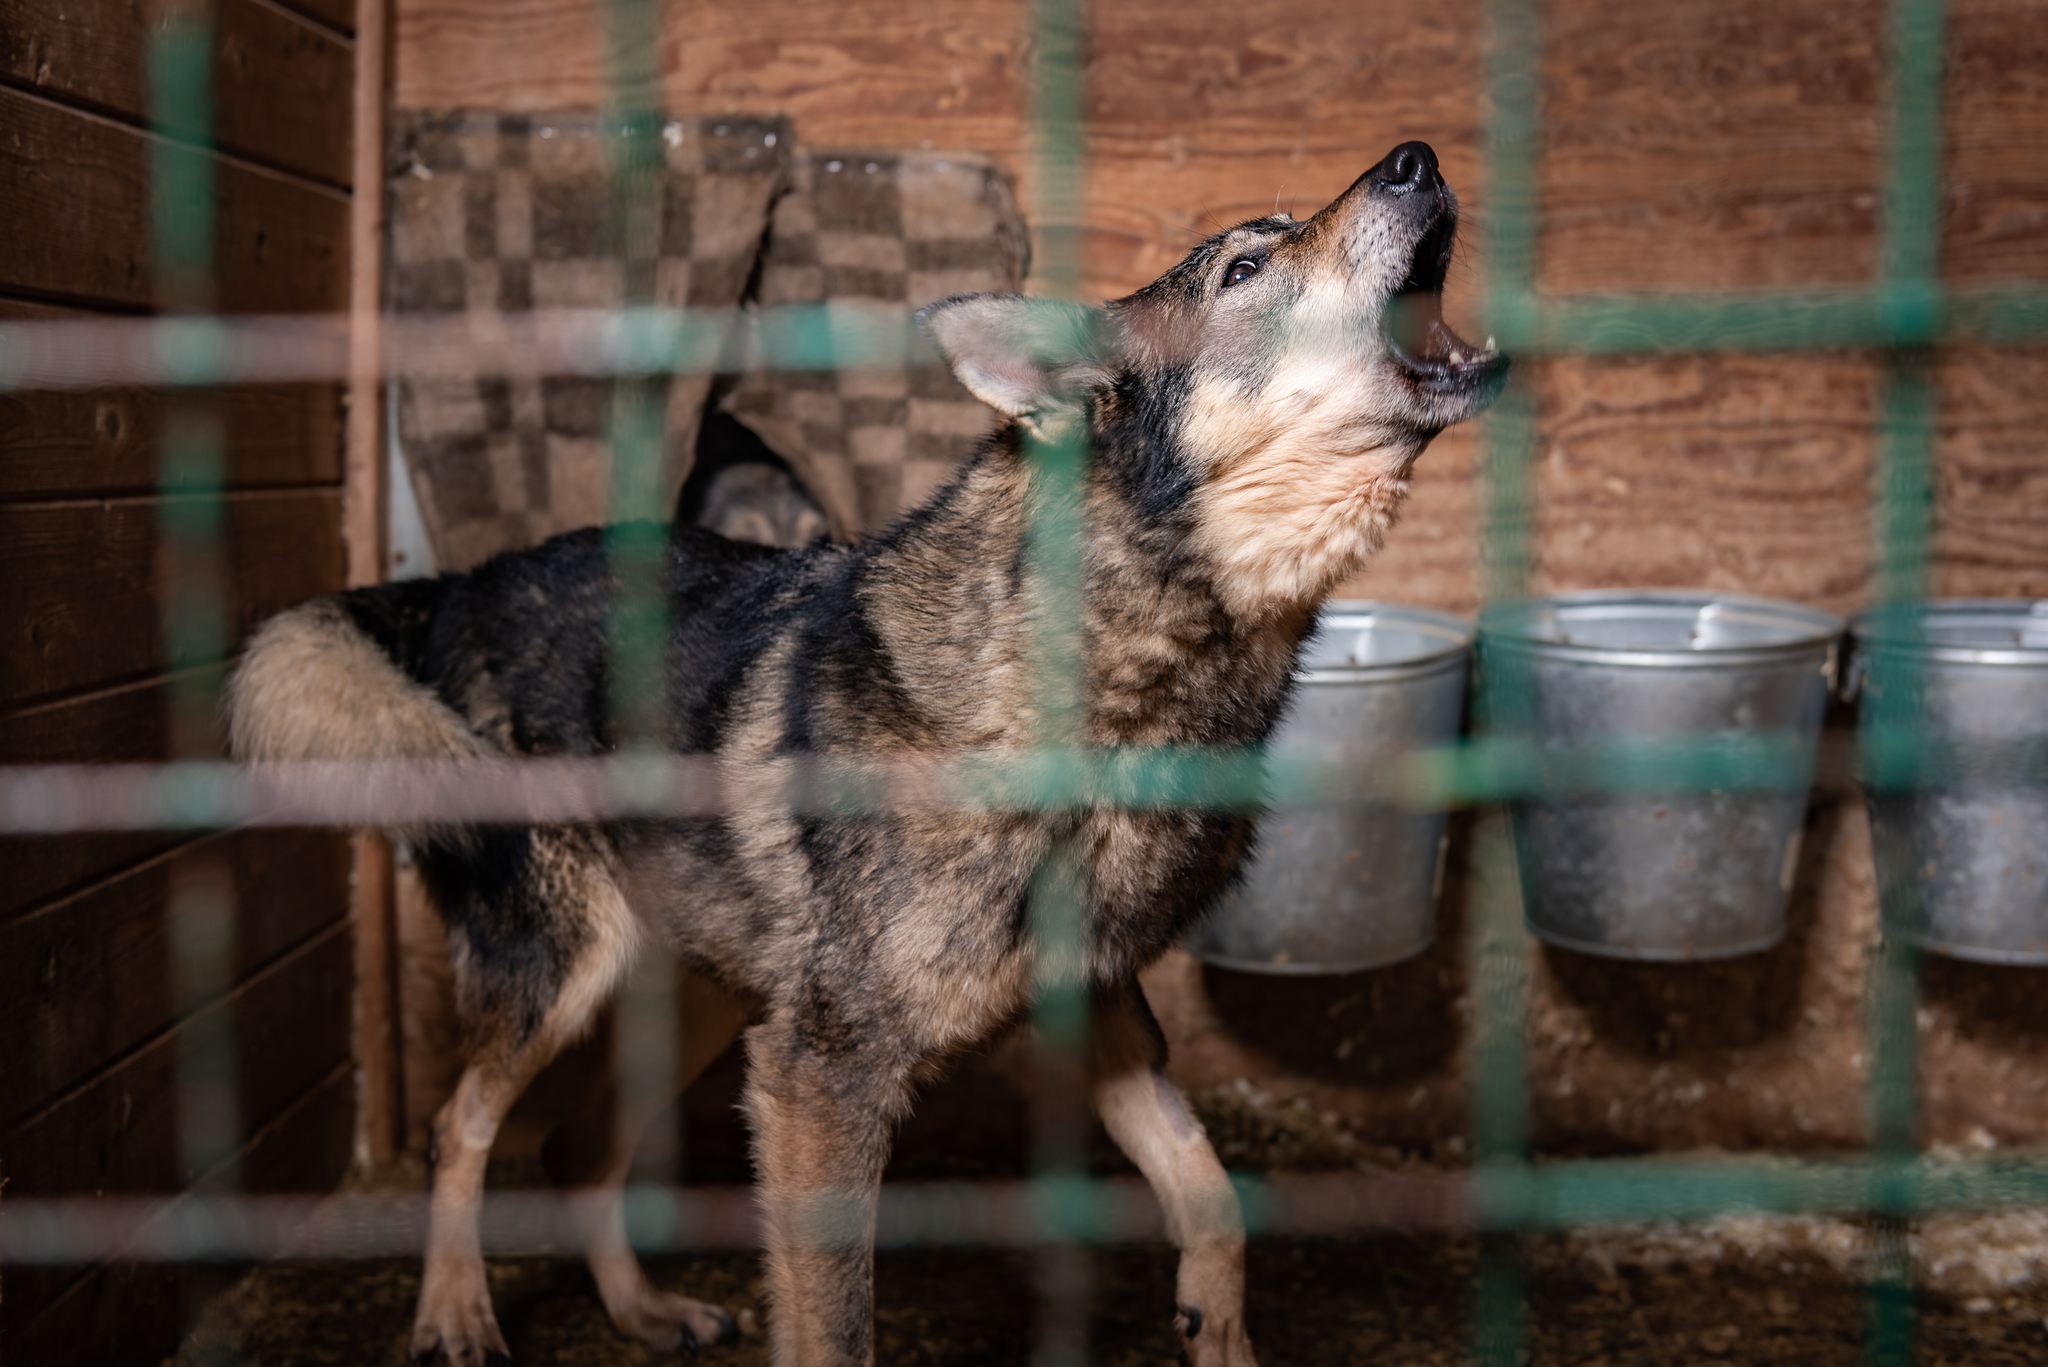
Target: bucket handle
x,y
1853,678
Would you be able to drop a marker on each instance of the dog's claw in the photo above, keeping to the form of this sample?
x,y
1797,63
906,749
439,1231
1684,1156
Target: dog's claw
x,y
1189,1322
670,1322
728,1332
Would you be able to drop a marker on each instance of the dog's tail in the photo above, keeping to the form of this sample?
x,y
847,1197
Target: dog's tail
x,y
314,684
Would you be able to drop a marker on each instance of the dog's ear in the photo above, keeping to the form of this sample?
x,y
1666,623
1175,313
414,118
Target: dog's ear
x,y
1032,359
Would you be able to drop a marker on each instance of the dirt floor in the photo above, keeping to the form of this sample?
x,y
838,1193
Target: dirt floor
x,y
1366,1071
1777,1291
1739,1289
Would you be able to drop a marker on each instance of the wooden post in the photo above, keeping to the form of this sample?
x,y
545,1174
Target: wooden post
x,y
364,497
365,501
380,1127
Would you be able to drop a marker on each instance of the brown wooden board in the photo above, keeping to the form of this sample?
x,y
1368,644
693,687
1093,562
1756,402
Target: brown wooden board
x,y
106,441
280,86
118,1131
136,1312
1711,146
75,194
125,723
55,444
40,868
307,1148
853,70
1741,473
128,724
1745,473
83,606
339,15
1995,124
1735,144
1991,496
91,978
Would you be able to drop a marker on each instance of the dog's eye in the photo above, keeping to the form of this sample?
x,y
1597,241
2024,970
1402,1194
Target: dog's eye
x,y
1241,270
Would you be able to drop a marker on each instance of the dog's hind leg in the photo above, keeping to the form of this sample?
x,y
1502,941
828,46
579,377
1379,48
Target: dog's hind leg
x,y
1148,1120
535,959
822,1106
592,1153
455,1324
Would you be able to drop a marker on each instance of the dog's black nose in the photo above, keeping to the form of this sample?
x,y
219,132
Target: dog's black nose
x,y
1409,167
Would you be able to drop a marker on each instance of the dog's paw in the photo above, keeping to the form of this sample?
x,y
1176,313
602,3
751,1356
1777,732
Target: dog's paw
x,y
456,1328
1210,1342
437,1351
674,1323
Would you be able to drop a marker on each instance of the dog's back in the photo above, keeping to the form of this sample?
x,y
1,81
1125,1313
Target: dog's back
x,y
507,659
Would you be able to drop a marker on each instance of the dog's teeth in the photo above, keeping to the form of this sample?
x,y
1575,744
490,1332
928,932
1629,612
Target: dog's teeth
x,y
1457,356
1489,341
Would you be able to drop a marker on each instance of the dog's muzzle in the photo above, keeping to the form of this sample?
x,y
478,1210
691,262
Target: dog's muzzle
x,y
1418,340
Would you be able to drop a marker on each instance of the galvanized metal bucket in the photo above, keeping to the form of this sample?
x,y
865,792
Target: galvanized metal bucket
x,y
1662,875
1962,864
1346,888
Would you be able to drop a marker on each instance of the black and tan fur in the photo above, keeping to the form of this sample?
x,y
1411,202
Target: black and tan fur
x,y
1253,415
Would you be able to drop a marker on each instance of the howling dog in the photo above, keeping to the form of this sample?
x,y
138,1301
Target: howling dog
x,y
1253,418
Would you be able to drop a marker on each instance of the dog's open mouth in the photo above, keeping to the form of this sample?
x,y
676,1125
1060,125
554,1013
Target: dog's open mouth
x,y
1417,338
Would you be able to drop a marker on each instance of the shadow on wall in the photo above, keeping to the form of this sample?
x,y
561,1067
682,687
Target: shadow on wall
x,y
1379,1028
1301,1071
1983,1053
1995,1003
1760,1051
1697,1011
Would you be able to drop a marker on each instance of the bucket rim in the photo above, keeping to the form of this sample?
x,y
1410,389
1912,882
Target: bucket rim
x,y
1457,633
1653,953
1310,968
1865,625
1818,630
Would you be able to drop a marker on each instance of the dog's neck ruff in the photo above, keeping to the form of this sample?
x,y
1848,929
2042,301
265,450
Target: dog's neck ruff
x,y
1191,619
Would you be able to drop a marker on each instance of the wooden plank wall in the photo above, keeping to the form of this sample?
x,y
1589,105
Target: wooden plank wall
x,y
1686,146
1700,144
89,1101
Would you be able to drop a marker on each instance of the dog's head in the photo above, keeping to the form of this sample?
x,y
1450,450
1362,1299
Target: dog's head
x,y
1270,392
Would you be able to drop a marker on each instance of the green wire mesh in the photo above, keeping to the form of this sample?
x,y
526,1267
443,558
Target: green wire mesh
x,y
1905,311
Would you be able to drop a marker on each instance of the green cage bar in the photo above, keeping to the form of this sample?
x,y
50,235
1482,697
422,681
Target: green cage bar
x,y
1054,555
1902,525
1496,947
201,909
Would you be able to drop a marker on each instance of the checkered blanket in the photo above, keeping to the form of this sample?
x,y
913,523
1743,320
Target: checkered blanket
x,y
497,214
901,228
494,214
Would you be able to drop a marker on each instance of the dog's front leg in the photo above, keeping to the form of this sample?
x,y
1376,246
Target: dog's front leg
x,y
821,1137
1148,1120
